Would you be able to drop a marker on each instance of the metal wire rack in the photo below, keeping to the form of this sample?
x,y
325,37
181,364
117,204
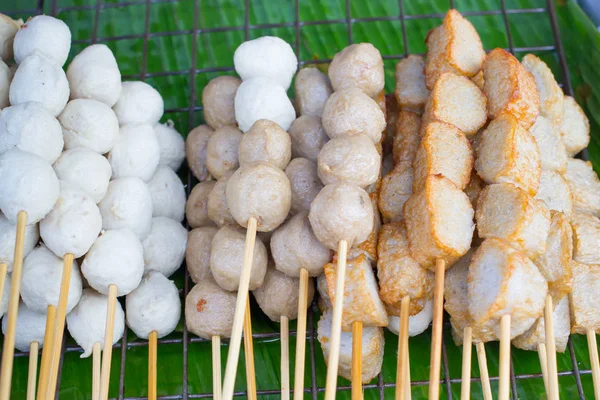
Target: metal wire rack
x,y
53,7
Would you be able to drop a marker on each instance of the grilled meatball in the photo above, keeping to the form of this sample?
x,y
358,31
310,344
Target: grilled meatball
x,y
197,254
308,137
196,208
217,100
265,142
222,151
304,182
209,310
195,150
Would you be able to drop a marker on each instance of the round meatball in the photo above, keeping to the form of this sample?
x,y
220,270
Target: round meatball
x,y
259,191
197,254
268,57
341,211
39,78
350,112
294,246
312,91
195,150
73,224
218,101
305,183
358,66
216,207
135,152
308,137
138,102
86,170
196,208
29,127
87,322
41,279
127,204
44,34
209,310
227,257
222,151
261,98
94,74
89,123
31,327
8,235
171,145
27,183
168,194
164,248
278,296
117,257
349,158
153,306
266,142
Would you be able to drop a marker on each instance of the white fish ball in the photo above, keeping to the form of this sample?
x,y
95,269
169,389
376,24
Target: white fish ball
x,y
171,144
164,248
31,128
6,75
87,322
267,57
168,194
135,153
117,257
27,183
139,102
5,296
73,224
39,79
417,323
31,327
45,34
86,170
8,30
127,204
261,98
94,74
8,235
90,124
154,306
42,276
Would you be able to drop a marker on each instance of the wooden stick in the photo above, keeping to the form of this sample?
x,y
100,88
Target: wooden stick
x,y
8,351
96,350
216,364
32,374
249,353
47,353
357,360
285,357
108,339
408,392
551,349
544,365
240,310
59,325
436,335
152,360
301,336
402,368
593,347
503,384
3,273
483,371
336,323
465,387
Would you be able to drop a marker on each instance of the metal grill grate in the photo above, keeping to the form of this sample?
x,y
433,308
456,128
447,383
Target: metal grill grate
x,y
314,390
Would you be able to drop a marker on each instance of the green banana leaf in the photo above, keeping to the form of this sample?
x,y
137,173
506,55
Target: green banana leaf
x,y
167,65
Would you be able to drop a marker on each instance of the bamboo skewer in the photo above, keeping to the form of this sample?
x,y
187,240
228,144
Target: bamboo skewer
x,y
32,374
465,388
3,273
436,339
336,324
240,308
249,353
96,371
301,336
285,357
402,370
483,371
544,365
357,328
593,348
551,349
8,350
108,338
216,364
407,390
152,361
46,353
503,384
